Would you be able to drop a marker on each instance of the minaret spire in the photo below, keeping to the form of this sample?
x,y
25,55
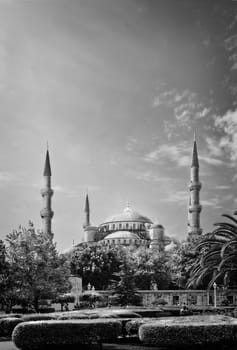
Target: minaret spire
x,y
87,212
194,208
47,192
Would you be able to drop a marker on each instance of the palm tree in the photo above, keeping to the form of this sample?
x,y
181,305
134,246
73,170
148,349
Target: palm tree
x,y
217,258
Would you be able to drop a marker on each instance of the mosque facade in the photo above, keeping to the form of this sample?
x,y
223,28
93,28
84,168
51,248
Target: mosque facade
x,y
128,228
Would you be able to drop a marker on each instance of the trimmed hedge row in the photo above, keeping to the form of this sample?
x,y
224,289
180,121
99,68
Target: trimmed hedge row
x,y
7,325
132,326
189,331
10,316
41,334
38,317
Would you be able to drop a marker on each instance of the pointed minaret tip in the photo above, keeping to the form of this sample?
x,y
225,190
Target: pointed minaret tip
x,y
47,167
195,162
87,205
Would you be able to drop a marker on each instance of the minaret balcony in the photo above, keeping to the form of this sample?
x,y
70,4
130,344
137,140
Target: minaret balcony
x,y
46,192
195,186
195,208
46,213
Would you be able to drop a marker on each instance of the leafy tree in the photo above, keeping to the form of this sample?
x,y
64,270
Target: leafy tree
x,y
96,265
151,267
181,259
217,256
125,289
4,273
37,270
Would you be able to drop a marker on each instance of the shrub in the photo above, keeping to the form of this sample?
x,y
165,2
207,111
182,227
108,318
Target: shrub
x,y
189,331
46,309
7,325
78,316
132,326
39,317
36,335
121,313
10,316
161,301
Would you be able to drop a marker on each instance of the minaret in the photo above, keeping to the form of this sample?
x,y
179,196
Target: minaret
x,y
87,212
47,192
195,185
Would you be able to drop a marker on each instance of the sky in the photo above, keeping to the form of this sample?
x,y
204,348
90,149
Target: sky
x,y
117,89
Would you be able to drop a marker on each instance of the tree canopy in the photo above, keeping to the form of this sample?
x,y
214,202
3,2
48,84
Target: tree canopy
x,y
36,270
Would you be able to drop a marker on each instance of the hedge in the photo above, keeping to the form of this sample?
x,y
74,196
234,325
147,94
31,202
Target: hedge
x,y
10,316
121,313
189,331
41,334
39,317
7,325
132,326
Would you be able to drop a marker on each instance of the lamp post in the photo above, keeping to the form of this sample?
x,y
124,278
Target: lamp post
x,y
214,287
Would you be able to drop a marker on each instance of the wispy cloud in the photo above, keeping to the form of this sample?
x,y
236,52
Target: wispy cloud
x,y
186,105
150,176
179,197
223,187
178,154
228,142
211,160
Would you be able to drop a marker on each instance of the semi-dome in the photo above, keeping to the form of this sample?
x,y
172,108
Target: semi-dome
x,y
122,235
156,226
127,215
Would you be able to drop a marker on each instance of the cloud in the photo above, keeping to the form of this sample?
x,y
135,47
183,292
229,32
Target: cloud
x,y
228,142
178,197
211,161
211,202
150,176
223,187
186,105
178,154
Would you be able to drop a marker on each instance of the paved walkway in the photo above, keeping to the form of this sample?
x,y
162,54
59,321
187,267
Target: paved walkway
x,y
8,345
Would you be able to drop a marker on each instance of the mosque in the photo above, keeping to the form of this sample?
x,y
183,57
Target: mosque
x,y
128,228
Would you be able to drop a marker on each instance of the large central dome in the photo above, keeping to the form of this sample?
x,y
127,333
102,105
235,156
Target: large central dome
x,y
128,215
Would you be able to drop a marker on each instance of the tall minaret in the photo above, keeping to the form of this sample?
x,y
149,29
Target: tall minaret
x,y
47,192
87,212
195,185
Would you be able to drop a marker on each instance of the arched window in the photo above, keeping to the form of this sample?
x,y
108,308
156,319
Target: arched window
x,y
120,225
134,226
127,225
113,226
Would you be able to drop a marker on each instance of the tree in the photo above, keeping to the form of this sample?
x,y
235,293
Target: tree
x,y
4,273
37,270
217,259
96,265
181,259
125,289
151,267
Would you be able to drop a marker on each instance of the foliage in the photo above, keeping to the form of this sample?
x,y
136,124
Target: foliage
x,y
217,256
181,258
151,268
96,265
126,288
189,331
4,273
37,271
35,335
8,324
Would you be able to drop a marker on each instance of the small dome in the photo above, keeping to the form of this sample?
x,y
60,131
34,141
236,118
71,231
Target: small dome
x,y
122,235
90,228
156,226
128,214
